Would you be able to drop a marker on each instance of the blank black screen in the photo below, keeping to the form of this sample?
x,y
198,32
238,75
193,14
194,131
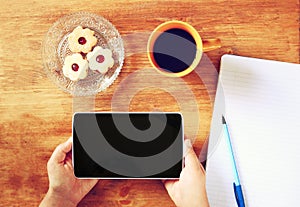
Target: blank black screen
x,y
127,145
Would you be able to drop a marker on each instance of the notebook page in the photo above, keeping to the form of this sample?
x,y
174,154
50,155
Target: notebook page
x,y
262,109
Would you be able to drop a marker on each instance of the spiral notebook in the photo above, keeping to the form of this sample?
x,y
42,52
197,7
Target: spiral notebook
x,y
261,102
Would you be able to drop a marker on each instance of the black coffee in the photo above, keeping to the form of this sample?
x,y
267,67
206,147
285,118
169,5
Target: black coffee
x,y
174,50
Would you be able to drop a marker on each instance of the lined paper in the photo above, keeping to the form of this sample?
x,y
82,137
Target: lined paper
x,y
262,109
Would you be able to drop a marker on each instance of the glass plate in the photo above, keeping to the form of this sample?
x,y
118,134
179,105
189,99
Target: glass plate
x,y
55,48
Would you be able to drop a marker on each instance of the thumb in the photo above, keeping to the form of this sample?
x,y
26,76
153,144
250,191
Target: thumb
x,y
190,160
61,151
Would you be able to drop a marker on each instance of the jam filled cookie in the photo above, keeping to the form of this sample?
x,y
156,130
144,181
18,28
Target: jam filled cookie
x,y
75,67
100,59
82,40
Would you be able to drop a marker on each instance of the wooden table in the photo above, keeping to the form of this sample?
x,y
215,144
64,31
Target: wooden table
x,y
36,115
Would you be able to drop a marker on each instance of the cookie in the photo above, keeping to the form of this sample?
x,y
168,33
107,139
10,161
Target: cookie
x,y
75,67
82,40
100,59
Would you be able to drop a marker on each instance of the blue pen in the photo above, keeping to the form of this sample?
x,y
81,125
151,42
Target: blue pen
x,y
236,185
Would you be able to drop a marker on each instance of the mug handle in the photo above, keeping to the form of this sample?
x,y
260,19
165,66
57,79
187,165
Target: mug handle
x,y
211,44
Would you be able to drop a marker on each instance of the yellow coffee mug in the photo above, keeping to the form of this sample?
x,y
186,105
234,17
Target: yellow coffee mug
x,y
201,46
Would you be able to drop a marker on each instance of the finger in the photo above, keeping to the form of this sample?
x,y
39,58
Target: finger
x,y
60,152
68,163
169,184
202,169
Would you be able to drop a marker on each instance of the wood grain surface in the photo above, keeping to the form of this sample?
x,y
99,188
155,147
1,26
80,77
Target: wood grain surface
x,y
36,116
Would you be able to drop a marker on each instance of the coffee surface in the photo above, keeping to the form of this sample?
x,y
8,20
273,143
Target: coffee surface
x,y
174,50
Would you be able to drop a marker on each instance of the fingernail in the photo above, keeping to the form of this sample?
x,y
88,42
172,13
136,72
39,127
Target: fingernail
x,y
188,143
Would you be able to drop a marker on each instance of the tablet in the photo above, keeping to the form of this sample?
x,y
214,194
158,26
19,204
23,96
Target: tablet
x,y
127,145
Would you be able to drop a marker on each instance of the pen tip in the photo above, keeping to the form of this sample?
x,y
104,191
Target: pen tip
x,y
223,120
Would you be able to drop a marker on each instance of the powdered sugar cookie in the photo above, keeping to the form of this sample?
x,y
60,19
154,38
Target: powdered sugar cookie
x,y
82,40
75,67
100,59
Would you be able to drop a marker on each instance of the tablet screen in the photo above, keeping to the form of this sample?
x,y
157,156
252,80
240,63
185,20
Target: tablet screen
x,y
127,145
